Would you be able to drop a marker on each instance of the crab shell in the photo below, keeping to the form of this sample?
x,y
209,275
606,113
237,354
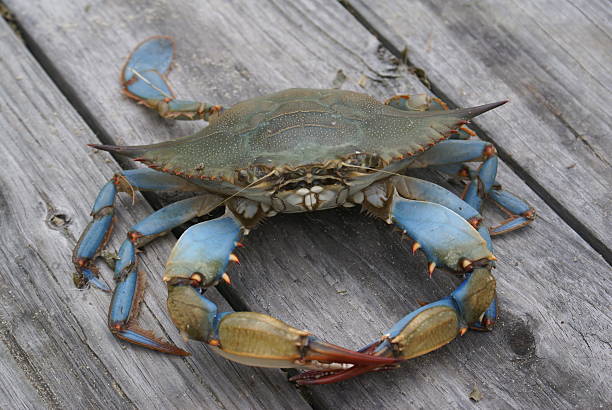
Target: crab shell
x,y
301,149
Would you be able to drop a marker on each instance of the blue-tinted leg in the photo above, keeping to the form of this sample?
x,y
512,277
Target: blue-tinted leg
x,y
413,188
443,235
482,185
143,78
450,157
128,292
519,212
98,231
453,152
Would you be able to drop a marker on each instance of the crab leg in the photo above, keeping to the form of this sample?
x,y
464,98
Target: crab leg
x,y
143,79
420,190
519,212
482,184
98,231
449,156
198,261
448,240
455,151
417,189
128,292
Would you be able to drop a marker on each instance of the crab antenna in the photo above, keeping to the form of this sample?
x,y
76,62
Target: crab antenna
x,y
273,172
371,169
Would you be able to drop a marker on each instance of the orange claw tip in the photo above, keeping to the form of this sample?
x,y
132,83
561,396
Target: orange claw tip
x,y
214,342
134,236
239,244
415,247
489,151
226,278
475,221
463,331
81,261
530,214
234,258
430,268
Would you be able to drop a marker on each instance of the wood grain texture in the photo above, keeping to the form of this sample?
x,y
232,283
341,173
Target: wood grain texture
x,y
16,392
551,59
339,274
58,350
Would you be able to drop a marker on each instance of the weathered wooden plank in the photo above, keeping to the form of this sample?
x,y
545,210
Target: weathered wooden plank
x,y
337,273
552,60
15,389
54,335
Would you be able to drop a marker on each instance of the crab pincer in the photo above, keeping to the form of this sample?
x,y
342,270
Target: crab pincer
x,y
197,262
255,339
447,239
423,330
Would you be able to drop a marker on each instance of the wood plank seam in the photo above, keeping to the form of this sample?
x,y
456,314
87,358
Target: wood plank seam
x,y
17,352
390,381
66,89
529,180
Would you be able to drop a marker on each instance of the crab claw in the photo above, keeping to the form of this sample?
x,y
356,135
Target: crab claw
x,y
255,339
312,377
198,261
424,330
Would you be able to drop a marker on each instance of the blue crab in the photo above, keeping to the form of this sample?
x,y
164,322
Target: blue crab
x,y
300,150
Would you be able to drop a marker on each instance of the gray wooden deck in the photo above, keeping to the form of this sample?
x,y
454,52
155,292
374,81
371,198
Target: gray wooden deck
x,y
336,273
